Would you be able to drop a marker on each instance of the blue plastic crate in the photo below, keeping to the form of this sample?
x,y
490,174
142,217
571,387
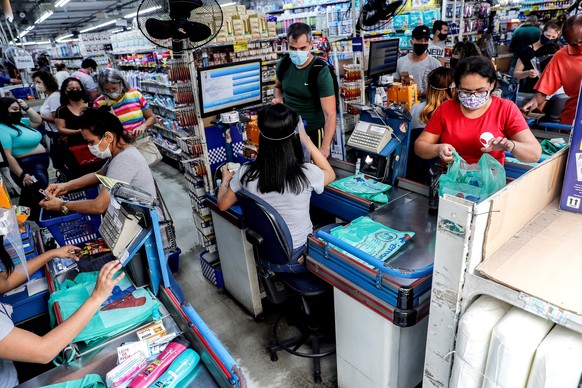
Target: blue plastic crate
x,y
211,268
27,307
75,228
174,260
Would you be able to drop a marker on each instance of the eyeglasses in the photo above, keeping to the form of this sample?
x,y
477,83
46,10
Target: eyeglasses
x,y
478,93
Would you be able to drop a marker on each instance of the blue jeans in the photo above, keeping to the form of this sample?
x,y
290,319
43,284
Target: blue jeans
x,y
293,266
37,166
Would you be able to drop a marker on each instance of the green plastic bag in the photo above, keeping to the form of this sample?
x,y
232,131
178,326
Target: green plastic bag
x,y
371,237
473,182
363,187
104,324
89,381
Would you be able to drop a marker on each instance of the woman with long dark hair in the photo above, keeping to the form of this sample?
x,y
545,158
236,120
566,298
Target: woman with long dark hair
x,y
476,121
27,158
107,140
279,175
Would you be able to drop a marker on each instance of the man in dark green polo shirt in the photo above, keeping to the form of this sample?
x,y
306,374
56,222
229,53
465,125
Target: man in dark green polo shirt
x,y
525,35
292,88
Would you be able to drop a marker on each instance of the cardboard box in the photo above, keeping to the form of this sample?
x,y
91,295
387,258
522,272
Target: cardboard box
x,y
571,198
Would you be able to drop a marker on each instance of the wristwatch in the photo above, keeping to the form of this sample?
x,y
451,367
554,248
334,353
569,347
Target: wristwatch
x,y
64,208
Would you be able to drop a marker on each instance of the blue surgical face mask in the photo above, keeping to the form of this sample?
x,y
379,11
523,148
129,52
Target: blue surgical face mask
x,y
298,57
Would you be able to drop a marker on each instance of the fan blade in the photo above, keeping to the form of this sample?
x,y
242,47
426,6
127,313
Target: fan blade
x,y
376,11
159,29
181,9
197,31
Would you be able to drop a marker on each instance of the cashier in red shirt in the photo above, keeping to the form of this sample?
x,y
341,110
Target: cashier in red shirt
x,y
565,69
477,122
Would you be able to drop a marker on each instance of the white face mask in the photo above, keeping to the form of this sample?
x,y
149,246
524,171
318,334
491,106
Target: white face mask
x,y
40,88
94,149
114,95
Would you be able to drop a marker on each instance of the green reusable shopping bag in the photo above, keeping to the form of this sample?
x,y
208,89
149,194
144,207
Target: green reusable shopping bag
x,y
473,182
89,381
104,324
362,187
371,237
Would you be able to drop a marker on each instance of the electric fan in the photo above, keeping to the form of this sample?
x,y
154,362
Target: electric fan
x,y
179,24
12,52
375,11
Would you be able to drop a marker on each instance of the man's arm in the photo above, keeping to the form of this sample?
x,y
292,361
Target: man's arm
x,y
328,106
537,101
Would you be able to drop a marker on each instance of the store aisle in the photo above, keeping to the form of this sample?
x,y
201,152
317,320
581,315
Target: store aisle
x,y
245,338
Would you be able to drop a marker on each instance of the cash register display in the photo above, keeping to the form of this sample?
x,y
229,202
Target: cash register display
x,y
119,229
370,137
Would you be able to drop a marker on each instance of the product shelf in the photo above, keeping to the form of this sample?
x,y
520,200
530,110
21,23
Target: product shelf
x,y
307,6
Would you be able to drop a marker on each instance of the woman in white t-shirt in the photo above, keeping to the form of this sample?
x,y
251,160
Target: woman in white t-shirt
x,y
62,73
20,345
44,82
279,175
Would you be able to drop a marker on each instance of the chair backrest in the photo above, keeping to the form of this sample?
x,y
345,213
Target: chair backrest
x,y
264,220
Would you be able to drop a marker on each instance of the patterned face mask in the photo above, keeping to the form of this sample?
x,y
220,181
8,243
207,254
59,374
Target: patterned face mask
x,y
473,101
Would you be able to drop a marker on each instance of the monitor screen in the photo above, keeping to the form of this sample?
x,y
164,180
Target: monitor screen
x,y
229,86
383,57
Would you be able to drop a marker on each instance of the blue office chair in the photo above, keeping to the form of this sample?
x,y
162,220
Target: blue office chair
x,y
272,245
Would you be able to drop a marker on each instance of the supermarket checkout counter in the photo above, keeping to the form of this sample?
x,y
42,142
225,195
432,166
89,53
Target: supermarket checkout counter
x,y
131,226
236,254
381,308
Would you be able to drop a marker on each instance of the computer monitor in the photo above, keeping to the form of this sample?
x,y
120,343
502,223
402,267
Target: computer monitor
x,y
225,87
383,57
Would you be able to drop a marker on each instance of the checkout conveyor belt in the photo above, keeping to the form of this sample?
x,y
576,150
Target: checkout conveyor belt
x,y
382,290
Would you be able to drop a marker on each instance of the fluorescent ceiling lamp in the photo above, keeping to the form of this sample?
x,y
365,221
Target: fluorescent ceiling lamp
x,y
98,26
64,37
143,11
44,17
68,40
23,33
228,4
61,3
116,30
37,43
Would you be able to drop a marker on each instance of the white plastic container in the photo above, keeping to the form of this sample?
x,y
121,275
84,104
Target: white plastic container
x,y
558,360
473,337
514,341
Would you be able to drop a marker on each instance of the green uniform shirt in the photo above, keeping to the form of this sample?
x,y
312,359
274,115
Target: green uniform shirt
x,y
296,93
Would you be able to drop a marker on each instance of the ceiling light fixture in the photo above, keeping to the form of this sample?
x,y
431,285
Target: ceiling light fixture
x,y
60,38
68,40
61,3
44,16
143,12
26,31
98,26
37,43
228,4
116,30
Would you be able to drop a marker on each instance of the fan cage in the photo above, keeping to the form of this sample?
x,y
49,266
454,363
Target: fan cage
x,y
210,14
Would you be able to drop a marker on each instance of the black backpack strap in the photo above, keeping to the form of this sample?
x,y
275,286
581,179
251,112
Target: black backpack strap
x,y
283,67
318,65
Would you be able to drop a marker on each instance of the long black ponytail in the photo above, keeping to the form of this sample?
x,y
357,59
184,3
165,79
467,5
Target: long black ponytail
x,y
5,257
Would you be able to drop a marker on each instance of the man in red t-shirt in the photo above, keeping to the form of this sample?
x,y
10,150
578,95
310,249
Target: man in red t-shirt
x,y
565,69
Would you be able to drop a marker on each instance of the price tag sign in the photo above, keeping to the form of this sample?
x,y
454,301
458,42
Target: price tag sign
x,y
24,62
241,45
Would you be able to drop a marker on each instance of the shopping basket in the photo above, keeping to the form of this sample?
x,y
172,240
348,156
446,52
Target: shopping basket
x,y
75,228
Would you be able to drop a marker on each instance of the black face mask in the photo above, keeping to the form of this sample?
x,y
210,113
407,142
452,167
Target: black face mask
x,y
420,48
443,37
454,62
76,95
545,40
15,117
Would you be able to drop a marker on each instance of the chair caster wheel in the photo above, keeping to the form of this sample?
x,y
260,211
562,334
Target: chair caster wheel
x,y
317,379
274,357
